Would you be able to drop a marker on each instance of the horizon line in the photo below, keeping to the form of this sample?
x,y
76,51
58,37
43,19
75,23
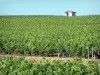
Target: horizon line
x,y
46,15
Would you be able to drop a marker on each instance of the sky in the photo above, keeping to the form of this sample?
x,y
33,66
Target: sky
x,y
49,7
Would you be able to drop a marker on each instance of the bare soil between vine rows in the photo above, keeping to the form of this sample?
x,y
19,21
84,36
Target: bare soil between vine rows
x,y
38,59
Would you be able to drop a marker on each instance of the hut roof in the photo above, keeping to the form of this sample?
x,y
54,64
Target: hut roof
x,y
70,11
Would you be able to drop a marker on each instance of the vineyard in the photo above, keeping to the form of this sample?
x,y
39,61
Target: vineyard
x,y
10,66
44,35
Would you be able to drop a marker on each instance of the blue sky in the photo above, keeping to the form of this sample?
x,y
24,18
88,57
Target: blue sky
x,y
49,7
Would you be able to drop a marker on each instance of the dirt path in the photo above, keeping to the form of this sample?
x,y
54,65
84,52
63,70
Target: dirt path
x,y
38,59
